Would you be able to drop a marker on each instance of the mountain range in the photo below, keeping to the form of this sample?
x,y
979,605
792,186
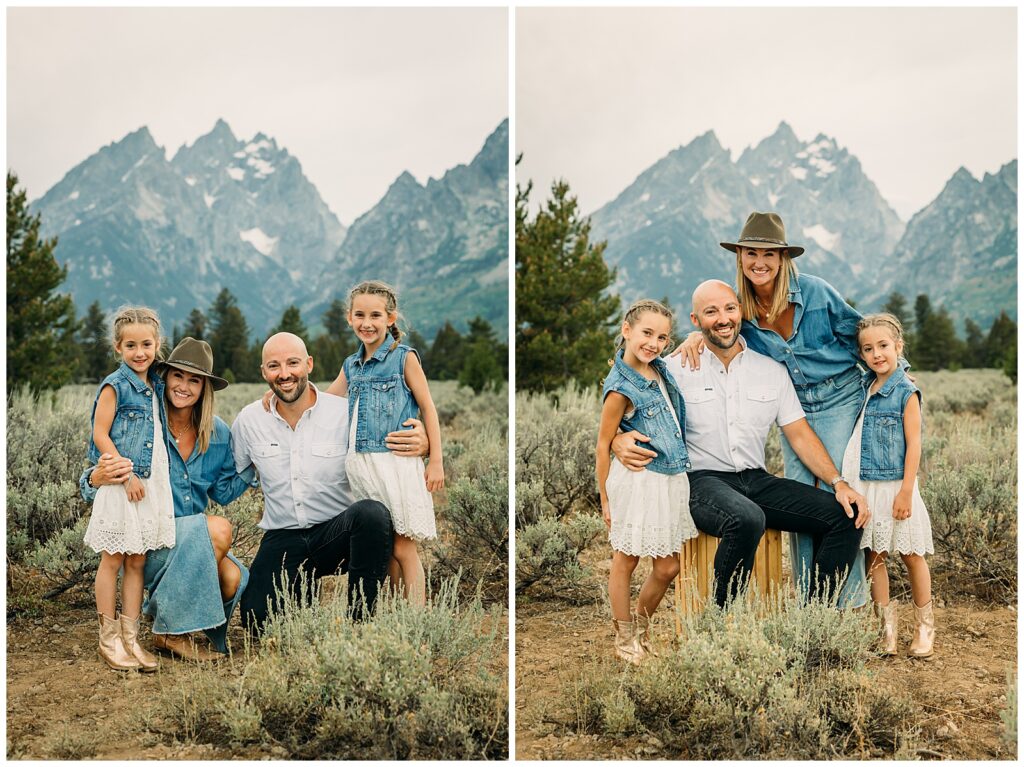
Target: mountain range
x,y
136,228
663,230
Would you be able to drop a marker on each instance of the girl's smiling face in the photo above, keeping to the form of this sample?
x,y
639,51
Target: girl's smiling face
x,y
369,318
647,337
137,346
879,349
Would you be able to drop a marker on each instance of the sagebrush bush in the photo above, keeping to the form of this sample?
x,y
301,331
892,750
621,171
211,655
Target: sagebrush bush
x,y
555,442
742,684
547,557
408,684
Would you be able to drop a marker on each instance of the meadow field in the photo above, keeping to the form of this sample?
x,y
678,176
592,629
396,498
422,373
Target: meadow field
x,y
797,682
429,683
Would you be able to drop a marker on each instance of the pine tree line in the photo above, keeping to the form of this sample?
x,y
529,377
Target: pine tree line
x,y
48,346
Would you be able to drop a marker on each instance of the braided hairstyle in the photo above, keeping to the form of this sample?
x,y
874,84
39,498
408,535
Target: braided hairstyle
x,y
634,312
137,315
390,296
882,319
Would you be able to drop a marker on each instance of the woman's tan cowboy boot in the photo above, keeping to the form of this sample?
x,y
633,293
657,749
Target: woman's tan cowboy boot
x,y
184,647
130,634
112,648
643,634
889,623
923,643
626,645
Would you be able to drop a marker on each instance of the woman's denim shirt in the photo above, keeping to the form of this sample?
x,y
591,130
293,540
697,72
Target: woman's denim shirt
x,y
132,430
824,340
883,445
385,401
651,414
201,477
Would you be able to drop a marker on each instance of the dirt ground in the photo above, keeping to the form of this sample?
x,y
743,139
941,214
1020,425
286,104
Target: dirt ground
x,y
63,702
960,692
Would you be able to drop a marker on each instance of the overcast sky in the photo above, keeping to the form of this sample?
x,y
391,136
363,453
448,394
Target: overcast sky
x,y
357,95
602,94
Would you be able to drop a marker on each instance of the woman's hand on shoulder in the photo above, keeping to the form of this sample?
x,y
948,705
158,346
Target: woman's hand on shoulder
x,y
267,395
692,348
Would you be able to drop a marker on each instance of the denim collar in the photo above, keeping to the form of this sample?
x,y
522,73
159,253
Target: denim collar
x,y
133,378
635,378
379,355
894,380
795,294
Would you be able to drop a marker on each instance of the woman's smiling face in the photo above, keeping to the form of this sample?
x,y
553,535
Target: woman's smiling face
x,y
760,265
183,389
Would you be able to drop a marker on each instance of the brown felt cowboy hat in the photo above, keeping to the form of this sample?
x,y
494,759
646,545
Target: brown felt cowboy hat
x,y
766,231
194,356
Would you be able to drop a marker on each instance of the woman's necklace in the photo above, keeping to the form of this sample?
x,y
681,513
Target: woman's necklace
x,y
177,437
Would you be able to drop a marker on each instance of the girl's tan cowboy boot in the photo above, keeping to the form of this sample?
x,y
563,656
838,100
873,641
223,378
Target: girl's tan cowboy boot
x,y
923,643
626,645
643,634
130,635
889,623
112,648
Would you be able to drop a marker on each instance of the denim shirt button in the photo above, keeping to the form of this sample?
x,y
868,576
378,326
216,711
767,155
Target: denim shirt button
x,y
148,392
186,476
149,444
145,473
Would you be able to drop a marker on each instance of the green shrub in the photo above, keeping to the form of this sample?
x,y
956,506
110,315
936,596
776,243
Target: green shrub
x,y
555,441
409,684
744,685
547,557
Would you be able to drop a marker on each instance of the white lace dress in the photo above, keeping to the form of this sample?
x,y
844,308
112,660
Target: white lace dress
x,y
119,526
396,481
883,533
650,511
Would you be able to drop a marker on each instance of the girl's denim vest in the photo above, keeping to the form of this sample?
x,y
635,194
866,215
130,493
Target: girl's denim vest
x,y
133,429
651,414
883,445
385,401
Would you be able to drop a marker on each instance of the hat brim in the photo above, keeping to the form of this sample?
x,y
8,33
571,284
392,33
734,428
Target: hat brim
x,y
215,381
794,250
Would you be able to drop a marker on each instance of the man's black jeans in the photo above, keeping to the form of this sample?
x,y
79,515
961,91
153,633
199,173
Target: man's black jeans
x,y
738,506
358,541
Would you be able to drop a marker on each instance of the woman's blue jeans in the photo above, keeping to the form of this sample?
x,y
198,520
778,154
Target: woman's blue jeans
x,y
832,408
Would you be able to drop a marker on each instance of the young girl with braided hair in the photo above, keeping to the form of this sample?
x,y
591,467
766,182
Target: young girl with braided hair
x,y
881,463
386,386
647,512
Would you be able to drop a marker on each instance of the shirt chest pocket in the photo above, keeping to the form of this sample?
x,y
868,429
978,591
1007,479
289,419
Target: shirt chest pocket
x,y
761,405
698,396
328,461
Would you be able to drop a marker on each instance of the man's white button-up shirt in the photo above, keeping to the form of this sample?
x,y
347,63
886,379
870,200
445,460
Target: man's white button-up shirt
x,y
302,470
729,411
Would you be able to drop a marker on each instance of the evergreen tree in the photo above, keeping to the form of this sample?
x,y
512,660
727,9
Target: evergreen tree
x,y
98,357
564,322
195,325
1001,341
229,339
445,358
897,306
291,322
936,345
337,342
925,357
38,318
975,350
480,365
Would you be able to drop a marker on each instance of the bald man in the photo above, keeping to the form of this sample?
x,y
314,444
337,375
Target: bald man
x,y
731,403
313,525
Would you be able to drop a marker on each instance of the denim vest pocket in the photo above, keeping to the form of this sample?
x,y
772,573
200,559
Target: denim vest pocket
x,y
382,397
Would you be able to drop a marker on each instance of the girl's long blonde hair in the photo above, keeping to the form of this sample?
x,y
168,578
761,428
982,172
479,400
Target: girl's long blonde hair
x,y
780,295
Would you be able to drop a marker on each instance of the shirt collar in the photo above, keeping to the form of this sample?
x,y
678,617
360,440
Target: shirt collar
x,y
635,378
133,378
711,355
795,294
379,355
888,386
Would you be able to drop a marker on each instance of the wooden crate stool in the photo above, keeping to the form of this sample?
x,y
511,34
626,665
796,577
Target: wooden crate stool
x,y
697,564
